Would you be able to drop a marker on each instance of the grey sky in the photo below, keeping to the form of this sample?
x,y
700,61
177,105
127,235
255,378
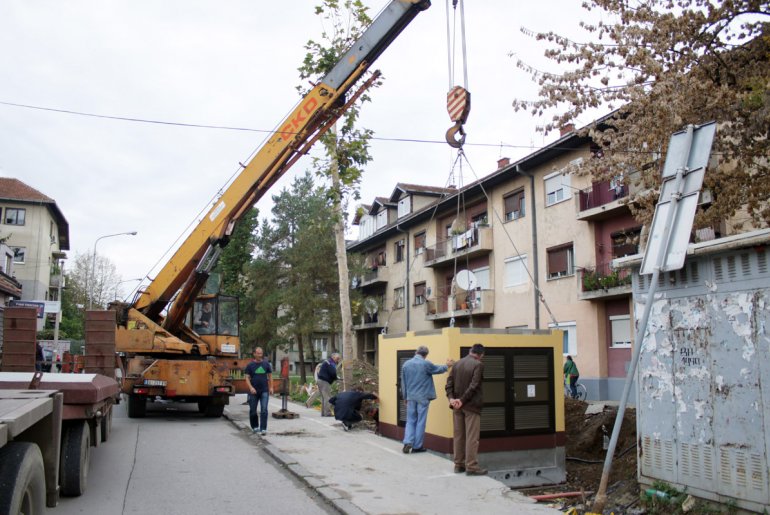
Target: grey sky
x,y
235,64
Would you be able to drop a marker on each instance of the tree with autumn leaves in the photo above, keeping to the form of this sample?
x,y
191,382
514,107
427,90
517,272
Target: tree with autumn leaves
x,y
661,65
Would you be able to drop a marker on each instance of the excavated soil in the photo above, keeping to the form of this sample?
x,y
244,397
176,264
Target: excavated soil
x,y
585,460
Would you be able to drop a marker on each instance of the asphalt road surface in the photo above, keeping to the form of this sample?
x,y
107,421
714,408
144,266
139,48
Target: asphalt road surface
x,y
174,461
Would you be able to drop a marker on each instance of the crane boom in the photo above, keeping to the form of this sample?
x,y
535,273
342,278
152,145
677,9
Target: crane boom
x,y
315,112
162,355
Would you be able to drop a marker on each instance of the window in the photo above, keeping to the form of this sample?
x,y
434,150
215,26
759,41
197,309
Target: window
x,y
398,298
626,243
479,219
382,219
569,342
419,243
320,344
482,277
399,251
18,254
365,227
514,205
557,188
620,327
561,261
404,206
7,264
419,294
516,271
15,216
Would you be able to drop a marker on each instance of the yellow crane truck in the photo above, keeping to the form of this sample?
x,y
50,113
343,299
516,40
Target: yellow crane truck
x,y
163,348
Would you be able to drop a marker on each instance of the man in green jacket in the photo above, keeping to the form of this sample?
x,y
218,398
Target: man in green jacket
x,y
571,374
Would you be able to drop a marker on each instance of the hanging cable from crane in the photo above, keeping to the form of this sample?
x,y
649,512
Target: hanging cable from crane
x,y
458,97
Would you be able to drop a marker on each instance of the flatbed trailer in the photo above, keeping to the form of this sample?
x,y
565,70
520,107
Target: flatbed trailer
x,y
48,424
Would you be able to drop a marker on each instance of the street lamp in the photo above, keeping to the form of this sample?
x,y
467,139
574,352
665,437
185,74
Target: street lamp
x,y
89,289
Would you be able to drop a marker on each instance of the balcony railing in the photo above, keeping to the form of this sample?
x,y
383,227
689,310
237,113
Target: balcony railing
x,y
370,277
602,280
476,302
600,194
473,242
372,320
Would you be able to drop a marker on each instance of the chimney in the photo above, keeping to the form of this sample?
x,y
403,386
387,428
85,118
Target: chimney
x,y
566,129
503,162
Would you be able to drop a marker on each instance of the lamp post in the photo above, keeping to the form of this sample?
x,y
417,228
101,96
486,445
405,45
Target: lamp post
x,y
89,288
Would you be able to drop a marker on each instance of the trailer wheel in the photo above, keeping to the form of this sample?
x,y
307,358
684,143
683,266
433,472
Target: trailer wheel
x,y
75,458
106,425
137,406
23,474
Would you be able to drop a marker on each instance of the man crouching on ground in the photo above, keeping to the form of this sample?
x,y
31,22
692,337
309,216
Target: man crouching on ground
x,y
347,406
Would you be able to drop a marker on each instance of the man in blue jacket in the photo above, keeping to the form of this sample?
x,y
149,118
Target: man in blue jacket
x,y
327,374
418,390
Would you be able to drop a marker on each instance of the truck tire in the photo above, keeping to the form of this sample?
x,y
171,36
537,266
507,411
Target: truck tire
x,y
75,458
106,425
22,479
211,407
137,406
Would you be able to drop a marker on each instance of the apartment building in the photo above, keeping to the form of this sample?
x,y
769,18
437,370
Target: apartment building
x,y
527,246
36,231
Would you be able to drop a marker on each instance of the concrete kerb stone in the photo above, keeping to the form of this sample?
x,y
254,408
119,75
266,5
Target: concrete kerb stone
x,y
329,494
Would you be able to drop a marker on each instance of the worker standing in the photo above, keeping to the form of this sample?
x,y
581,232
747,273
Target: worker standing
x,y
327,374
260,374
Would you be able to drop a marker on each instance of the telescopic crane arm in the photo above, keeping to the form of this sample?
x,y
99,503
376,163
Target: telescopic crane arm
x,y
184,275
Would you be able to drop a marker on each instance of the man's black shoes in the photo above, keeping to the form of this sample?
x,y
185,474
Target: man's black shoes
x,y
407,448
421,449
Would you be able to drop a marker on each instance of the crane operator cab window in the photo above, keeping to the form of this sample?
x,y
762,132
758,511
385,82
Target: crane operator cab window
x,y
216,315
204,317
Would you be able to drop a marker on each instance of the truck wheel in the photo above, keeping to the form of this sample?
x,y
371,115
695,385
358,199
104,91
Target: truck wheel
x,y
106,425
214,410
22,479
75,458
137,406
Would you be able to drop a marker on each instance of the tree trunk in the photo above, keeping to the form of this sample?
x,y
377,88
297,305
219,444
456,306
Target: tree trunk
x,y
299,338
349,349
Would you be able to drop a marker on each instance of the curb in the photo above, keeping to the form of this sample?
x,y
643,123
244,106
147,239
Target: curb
x,y
328,494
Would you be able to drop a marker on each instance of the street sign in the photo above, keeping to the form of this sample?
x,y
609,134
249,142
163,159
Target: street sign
x,y
683,173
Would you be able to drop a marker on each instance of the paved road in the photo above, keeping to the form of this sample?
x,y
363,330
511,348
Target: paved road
x,y
175,461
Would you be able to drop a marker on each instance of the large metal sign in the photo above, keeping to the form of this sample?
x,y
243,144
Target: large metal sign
x,y
683,172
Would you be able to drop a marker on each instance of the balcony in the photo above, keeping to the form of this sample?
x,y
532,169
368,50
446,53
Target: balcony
x,y
372,321
601,201
474,242
377,276
602,282
476,302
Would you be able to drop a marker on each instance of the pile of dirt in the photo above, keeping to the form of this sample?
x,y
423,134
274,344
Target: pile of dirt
x,y
585,458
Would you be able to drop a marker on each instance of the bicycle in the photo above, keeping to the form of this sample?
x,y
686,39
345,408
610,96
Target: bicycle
x,y
582,392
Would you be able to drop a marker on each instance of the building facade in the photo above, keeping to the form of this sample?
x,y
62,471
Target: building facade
x,y
37,233
528,246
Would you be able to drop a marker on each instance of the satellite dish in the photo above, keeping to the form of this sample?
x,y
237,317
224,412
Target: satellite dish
x,y
370,306
466,280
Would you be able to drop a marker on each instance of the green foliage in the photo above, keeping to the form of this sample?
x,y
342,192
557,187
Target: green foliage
x,y
237,255
347,147
292,282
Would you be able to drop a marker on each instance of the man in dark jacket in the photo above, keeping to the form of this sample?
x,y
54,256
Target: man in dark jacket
x,y
327,374
347,407
463,389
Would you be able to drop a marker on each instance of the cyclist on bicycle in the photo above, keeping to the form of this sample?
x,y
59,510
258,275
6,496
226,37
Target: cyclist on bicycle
x,y
571,374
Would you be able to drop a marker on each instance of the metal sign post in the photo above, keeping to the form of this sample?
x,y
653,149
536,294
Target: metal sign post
x,y
683,172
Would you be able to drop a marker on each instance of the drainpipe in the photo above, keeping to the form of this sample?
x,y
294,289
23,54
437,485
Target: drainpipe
x,y
535,266
407,306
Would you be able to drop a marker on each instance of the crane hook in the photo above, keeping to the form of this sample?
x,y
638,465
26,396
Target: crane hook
x,y
458,106
452,132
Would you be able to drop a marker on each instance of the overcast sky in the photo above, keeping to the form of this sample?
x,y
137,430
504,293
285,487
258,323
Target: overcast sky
x,y
233,63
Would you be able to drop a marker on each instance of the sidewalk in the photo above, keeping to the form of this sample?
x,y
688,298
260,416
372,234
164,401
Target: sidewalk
x,y
362,473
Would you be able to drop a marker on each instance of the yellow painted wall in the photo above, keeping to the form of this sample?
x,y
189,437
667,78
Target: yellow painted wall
x,y
447,344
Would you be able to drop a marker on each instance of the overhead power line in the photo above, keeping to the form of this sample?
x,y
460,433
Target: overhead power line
x,y
267,131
